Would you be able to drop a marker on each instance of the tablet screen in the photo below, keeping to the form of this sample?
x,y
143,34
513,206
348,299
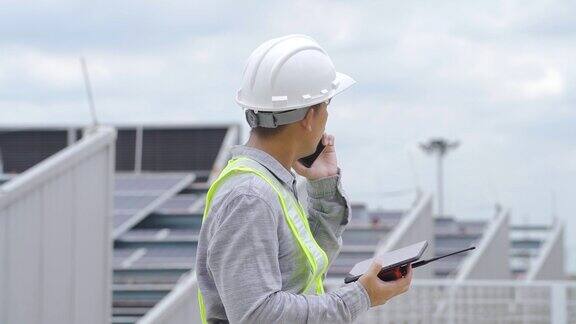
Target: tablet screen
x,y
394,258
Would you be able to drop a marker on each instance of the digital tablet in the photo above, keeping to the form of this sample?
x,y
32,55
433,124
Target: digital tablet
x,y
390,260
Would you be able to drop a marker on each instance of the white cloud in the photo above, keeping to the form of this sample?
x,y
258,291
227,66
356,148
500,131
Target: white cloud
x,y
54,71
551,83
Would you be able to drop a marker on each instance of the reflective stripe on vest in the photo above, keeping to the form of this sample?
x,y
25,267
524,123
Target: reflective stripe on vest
x,y
317,261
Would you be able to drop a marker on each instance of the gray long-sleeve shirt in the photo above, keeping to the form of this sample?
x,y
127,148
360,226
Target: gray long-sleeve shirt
x,y
249,266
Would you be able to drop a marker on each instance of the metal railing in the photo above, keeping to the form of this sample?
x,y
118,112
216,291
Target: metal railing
x,y
475,301
427,301
55,246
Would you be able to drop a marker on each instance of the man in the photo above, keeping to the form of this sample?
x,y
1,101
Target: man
x,y
261,257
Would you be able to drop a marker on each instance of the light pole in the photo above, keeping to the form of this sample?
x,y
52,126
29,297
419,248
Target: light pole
x,y
439,147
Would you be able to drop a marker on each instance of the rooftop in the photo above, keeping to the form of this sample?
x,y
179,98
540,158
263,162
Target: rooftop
x,y
161,179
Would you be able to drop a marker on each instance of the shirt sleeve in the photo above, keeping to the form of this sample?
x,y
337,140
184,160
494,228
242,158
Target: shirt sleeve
x,y
328,213
243,261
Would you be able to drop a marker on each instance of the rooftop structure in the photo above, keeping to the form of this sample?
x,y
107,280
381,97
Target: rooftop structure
x,y
366,230
537,251
162,175
156,199
450,235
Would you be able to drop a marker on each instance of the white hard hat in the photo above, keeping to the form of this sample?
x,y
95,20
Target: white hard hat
x,y
288,73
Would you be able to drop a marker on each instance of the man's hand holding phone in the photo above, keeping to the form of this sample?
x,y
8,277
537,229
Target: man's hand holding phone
x,y
325,165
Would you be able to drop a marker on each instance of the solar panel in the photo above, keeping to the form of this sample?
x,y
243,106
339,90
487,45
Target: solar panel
x,y
126,150
22,149
145,183
181,149
129,202
362,237
137,195
181,204
452,234
155,257
150,277
161,235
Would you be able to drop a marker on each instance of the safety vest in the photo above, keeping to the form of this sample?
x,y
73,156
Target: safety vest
x,y
317,260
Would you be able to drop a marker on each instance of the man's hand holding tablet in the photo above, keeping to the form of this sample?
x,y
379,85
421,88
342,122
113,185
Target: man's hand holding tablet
x,y
381,291
394,263
390,274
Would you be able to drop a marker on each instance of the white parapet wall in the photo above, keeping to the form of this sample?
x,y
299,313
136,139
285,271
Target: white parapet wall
x,y
417,225
55,245
491,259
549,265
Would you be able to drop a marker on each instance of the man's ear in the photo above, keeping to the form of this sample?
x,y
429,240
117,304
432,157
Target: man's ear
x,y
308,120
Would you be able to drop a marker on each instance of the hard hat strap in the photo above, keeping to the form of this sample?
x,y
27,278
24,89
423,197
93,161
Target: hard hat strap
x,y
274,119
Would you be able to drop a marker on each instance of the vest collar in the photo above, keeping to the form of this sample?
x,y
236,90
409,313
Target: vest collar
x,y
267,160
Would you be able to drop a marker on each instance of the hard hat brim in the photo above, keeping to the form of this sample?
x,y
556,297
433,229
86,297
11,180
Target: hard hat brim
x,y
342,80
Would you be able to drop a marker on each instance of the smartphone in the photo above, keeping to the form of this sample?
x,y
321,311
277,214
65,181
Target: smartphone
x,y
309,160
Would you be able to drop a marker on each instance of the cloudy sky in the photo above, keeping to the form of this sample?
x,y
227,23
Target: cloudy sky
x,y
495,75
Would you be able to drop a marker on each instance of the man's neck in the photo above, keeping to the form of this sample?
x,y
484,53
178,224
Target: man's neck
x,y
280,150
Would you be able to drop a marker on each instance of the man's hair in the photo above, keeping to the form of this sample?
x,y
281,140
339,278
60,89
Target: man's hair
x,y
265,132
